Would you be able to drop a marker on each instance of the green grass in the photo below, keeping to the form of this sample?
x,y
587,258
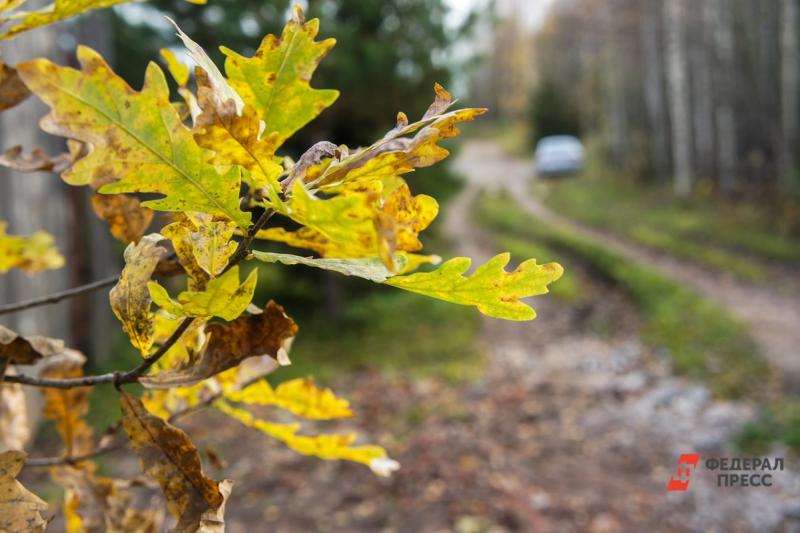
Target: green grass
x,y
732,238
394,332
778,423
702,339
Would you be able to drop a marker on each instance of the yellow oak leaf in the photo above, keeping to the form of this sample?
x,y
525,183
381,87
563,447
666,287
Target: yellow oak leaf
x,y
299,396
126,218
67,407
358,223
222,297
51,13
236,138
490,288
275,81
178,71
29,253
324,446
167,455
137,137
130,299
20,510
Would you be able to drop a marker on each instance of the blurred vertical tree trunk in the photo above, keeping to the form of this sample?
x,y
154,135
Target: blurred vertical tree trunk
x,y
653,72
702,90
614,90
680,113
724,117
789,93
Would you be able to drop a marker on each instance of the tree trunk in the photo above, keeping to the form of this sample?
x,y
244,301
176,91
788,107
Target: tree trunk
x,y
789,95
702,92
724,117
653,72
678,96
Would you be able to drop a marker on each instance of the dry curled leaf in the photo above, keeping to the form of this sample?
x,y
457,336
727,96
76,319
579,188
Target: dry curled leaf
x,y
12,90
18,350
130,299
96,504
36,161
269,333
167,455
15,430
20,510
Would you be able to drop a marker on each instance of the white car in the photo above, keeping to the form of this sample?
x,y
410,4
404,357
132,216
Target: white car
x,y
558,155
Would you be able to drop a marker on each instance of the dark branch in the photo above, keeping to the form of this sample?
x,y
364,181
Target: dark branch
x,y
58,296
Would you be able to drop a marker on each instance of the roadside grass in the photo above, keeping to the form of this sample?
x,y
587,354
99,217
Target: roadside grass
x,y
777,423
731,238
703,341
396,333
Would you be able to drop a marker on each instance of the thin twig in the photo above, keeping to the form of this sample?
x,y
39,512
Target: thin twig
x,y
73,459
58,296
132,376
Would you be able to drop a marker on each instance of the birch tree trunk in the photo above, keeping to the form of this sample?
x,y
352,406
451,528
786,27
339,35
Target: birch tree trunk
x,y
724,117
678,96
653,72
789,96
702,91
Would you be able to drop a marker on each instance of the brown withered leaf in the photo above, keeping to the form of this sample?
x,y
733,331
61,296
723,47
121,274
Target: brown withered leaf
x,y
12,90
15,431
18,350
167,455
96,504
126,218
270,333
36,161
67,407
20,510
130,299
441,102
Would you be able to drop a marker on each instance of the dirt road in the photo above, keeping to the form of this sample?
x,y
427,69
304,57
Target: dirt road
x,y
772,317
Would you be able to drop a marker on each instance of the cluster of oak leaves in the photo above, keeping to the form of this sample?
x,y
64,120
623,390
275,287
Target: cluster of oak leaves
x,y
212,159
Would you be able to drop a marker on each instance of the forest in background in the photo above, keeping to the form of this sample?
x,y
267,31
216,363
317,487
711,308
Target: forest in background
x,y
702,95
